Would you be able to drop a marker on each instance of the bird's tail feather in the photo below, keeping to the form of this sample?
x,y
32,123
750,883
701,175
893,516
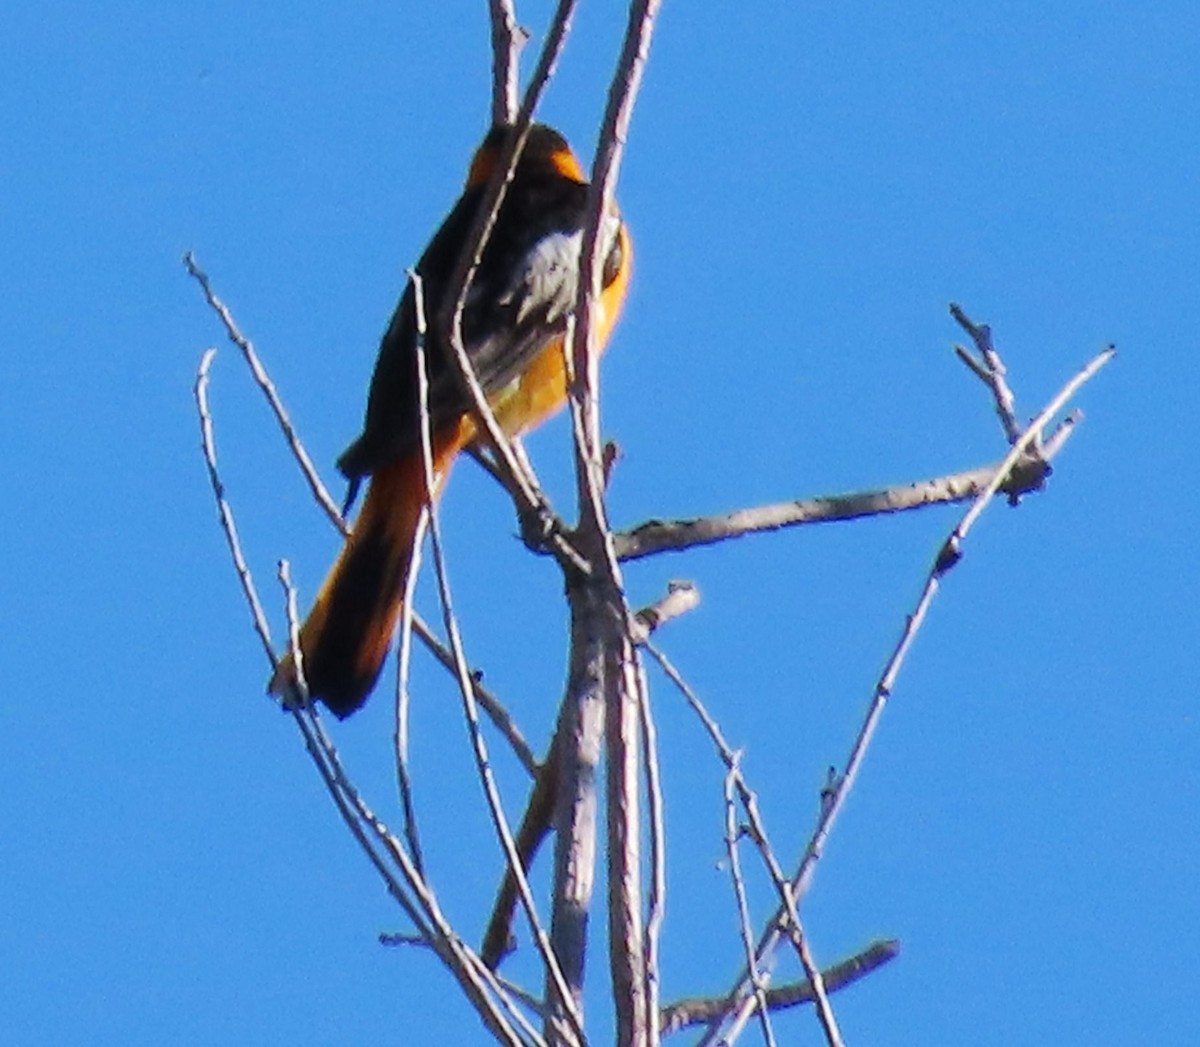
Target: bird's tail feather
x,y
346,636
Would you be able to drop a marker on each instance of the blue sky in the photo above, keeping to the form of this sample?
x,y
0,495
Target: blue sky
x,y
809,186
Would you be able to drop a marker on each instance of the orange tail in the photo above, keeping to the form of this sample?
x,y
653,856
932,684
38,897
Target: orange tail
x,y
346,636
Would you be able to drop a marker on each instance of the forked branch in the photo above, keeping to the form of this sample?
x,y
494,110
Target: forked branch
x,y
683,1014
833,798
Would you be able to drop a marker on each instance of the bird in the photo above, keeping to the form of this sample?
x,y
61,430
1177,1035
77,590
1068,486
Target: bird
x,y
513,326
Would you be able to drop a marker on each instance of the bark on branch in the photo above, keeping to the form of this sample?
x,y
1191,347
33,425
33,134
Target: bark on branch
x,y
658,536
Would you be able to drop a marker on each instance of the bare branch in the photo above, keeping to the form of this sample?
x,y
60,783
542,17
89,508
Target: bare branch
x,y
492,1002
508,39
657,833
990,369
683,1014
788,915
1027,475
732,837
491,704
793,928
539,809
479,746
535,825
318,489
681,597
657,536
577,753
404,648
400,744
597,605
478,983
627,945
1032,436
522,485
224,511
1065,429
284,574
946,558
497,712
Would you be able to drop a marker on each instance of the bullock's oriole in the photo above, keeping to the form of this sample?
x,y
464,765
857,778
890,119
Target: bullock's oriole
x,y
513,327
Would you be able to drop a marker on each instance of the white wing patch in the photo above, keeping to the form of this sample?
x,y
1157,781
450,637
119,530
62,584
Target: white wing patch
x,y
549,277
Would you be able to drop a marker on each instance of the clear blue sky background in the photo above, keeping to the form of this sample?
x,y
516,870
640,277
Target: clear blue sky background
x,y
809,185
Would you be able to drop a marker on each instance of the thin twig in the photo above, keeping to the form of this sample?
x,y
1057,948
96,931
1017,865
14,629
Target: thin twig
x,y
478,983
519,992
284,574
946,558
318,489
497,712
793,928
991,371
470,710
522,485
1053,443
535,826
508,38
657,834
224,511
395,939
788,914
403,776
732,837
499,715
509,1025
404,648
472,975
1032,434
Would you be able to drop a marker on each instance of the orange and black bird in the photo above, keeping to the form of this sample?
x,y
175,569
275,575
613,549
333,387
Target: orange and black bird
x,y
513,327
